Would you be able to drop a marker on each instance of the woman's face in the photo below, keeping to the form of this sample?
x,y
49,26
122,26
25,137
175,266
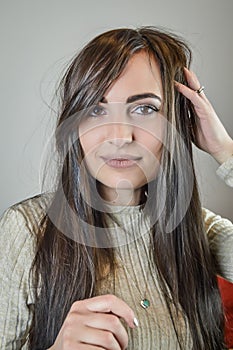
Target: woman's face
x,y
122,136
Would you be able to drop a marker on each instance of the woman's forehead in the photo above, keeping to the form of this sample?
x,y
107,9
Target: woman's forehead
x,y
141,75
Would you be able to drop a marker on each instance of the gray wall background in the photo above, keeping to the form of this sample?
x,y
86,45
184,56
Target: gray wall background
x,y
38,38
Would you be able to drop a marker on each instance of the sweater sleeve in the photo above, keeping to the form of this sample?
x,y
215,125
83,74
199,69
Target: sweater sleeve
x,y
225,171
16,296
220,230
220,236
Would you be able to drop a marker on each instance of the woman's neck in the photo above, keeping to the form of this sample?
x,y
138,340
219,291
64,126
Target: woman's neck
x,y
121,197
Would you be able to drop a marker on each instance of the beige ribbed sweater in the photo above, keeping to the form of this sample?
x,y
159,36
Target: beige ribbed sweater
x,y
133,278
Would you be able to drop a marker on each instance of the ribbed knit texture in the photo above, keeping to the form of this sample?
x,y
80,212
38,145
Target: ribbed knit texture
x,y
135,277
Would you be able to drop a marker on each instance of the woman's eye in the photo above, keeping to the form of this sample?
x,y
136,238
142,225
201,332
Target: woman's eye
x,y
97,111
145,109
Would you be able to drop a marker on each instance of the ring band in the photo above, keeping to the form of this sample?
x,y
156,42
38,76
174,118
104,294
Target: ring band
x,y
200,90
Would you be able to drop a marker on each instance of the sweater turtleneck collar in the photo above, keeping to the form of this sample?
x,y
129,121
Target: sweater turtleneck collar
x,y
127,224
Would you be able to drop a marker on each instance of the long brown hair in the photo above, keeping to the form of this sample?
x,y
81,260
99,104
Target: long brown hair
x,y
65,268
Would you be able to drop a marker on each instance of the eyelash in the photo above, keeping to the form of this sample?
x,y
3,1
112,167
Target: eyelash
x,y
92,114
133,110
149,106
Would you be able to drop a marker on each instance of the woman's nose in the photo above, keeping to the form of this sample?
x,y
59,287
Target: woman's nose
x,y
120,133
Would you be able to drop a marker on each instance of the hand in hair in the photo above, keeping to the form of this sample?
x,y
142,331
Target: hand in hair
x,y
95,324
211,136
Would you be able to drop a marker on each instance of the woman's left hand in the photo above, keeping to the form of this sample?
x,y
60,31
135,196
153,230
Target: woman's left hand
x,y
212,137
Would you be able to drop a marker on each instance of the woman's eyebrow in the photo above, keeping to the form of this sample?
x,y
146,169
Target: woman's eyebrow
x,y
134,98
141,96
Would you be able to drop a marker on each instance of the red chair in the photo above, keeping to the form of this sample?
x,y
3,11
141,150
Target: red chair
x,y
226,291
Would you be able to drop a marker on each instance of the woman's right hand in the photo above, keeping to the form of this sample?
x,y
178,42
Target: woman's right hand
x,y
95,324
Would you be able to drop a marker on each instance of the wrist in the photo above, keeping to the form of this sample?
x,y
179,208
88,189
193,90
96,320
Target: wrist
x,y
225,171
222,156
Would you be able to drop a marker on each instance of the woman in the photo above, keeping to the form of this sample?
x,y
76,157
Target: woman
x,y
121,254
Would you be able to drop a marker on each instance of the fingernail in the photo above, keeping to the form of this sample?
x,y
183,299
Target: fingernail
x,y
135,321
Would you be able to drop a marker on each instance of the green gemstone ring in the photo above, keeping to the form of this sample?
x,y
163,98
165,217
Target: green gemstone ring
x,y
145,303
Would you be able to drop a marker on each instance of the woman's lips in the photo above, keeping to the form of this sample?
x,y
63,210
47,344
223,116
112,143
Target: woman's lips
x,y
121,162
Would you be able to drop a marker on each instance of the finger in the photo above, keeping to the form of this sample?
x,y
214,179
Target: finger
x,y
192,79
83,346
89,347
109,323
190,91
107,303
199,101
99,337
